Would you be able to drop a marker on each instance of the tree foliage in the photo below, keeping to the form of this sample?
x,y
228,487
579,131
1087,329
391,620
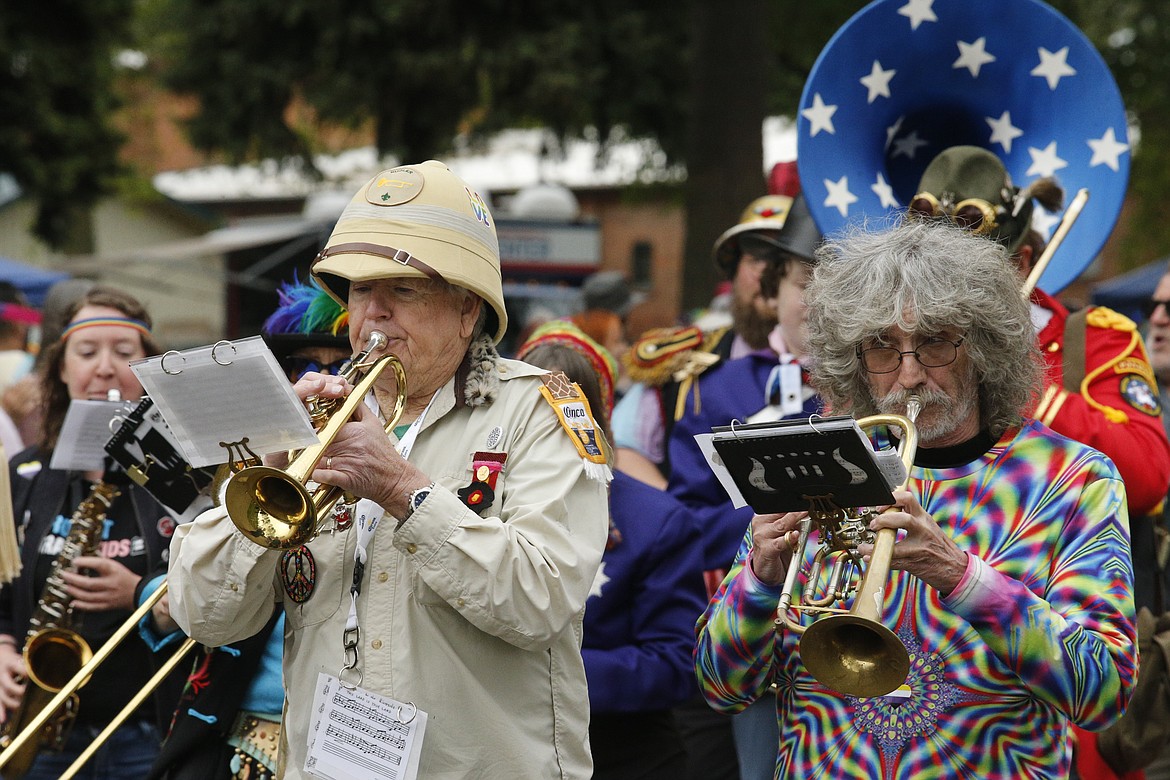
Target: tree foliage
x,y
421,72
270,75
56,99
1134,38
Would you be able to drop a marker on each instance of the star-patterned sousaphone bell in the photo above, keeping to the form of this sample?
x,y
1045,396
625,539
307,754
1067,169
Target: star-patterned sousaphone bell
x,y
905,79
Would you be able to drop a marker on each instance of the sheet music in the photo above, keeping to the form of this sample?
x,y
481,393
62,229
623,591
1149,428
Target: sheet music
x,y
358,733
887,461
226,392
707,447
81,445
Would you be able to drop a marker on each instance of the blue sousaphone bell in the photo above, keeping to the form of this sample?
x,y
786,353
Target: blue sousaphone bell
x,y
905,79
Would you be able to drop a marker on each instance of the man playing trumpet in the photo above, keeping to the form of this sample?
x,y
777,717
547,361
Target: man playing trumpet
x,y
452,593
1011,585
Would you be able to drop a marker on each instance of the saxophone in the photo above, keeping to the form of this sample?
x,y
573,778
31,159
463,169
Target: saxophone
x,y
53,652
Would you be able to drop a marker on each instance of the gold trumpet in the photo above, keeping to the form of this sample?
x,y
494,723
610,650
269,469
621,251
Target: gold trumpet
x,y
850,650
273,507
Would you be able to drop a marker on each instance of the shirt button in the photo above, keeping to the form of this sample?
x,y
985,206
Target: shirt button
x,y
376,644
460,602
235,587
383,576
412,548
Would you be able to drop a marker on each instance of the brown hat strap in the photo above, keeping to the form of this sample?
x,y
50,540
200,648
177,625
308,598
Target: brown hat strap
x,y
390,253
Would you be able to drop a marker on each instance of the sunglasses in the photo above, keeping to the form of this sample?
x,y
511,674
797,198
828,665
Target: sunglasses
x,y
296,365
973,214
1151,306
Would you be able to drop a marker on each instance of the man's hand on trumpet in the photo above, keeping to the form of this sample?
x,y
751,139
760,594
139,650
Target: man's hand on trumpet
x,y
773,539
361,460
923,550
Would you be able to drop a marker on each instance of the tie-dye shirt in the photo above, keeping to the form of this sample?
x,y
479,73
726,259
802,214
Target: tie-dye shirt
x,y
1038,634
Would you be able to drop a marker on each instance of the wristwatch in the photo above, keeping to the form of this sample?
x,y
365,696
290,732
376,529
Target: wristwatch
x,y
416,498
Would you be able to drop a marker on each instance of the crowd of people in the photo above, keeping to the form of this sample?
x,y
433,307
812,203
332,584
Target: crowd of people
x,y
534,571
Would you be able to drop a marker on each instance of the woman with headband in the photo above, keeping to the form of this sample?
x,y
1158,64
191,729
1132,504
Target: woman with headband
x,y
105,331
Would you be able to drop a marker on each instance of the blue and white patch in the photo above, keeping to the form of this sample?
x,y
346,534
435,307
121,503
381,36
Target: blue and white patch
x,y
1139,394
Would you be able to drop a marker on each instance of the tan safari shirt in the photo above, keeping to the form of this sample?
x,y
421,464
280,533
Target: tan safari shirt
x,y
475,619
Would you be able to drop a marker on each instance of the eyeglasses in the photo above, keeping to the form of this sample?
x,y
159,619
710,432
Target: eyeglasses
x,y
974,214
1151,306
932,353
761,248
295,365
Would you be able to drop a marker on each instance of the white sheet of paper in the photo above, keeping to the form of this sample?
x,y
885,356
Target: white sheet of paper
x,y
716,463
358,733
237,392
81,445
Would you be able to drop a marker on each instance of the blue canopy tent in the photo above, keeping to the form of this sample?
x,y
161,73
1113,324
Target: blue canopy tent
x,y
1127,293
34,282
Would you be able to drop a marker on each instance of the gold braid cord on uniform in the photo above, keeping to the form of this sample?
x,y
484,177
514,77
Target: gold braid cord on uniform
x,y
1131,360
680,355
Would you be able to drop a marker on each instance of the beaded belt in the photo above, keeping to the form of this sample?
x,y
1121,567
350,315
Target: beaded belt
x,y
257,743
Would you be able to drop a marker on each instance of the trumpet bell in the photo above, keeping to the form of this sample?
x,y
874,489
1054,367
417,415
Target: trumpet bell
x,y
271,508
854,655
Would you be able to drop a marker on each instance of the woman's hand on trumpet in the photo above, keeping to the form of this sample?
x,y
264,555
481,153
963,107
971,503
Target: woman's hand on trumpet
x,y
774,537
924,550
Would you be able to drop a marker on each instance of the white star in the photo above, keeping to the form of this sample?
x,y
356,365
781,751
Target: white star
x,y
973,56
878,81
819,116
1044,161
1106,150
918,11
599,581
892,130
1003,132
885,193
1053,66
839,195
1043,221
908,146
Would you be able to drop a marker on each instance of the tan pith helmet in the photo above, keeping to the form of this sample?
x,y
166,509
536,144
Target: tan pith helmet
x,y
419,221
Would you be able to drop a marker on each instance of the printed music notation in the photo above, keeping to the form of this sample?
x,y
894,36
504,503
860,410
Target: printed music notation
x,y
358,733
358,725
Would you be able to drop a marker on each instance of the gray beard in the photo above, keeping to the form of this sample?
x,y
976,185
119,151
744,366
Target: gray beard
x,y
941,415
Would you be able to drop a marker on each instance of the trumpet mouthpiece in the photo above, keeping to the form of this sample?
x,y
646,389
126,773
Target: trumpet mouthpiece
x,y
376,340
913,407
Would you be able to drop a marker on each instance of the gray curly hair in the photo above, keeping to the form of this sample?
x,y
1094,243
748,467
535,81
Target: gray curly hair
x,y
925,278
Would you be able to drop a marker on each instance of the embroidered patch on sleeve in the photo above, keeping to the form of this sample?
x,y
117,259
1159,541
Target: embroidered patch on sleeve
x,y
1134,365
572,410
1139,394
